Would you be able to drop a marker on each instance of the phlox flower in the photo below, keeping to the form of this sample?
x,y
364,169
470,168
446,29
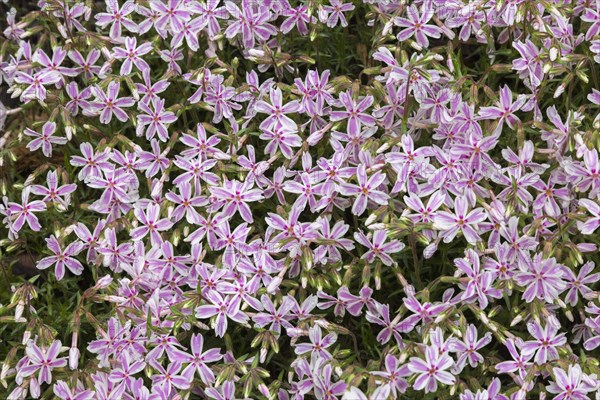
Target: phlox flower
x,y
42,361
45,140
542,278
62,258
546,343
378,248
431,370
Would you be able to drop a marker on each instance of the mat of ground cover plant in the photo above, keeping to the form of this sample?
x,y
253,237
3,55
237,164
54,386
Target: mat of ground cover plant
x,y
287,199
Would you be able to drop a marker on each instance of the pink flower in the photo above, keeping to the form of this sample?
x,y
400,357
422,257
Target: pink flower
x,y
394,375
274,317
325,388
354,304
36,82
529,65
78,99
87,65
318,344
154,161
520,361
573,384
431,370
45,140
155,120
251,22
62,258
114,253
202,145
92,163
148,89
591,224
171,377
592,16
542,278
226,391
335,12
42,360
546,342
504,109
462,220
24,212
151,223
422,311
298,17
277,112
54,63
378,248
190,31
578,283
424,214
281,138
222,97
132,54
63,392
210,13
116,17
52,192
197,359
380,315
128,368
221,308
186,203
171,16
416,25
333,240
108,103
467,348
365,190
236,194
354,113
479,282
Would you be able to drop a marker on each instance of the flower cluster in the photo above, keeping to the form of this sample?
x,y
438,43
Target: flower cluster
x,y
295,199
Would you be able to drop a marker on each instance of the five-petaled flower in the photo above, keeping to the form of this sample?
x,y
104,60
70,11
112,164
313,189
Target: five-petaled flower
x,y
318,344
132,54
45,140
62,258
109,103
378,248
431,370
462,220
42,361
366,189
546,343
416,24
24,212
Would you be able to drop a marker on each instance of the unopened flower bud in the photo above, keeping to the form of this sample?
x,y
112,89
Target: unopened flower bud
x,y
4,371
19,310
372,217
26,337
516,320
263,354
274,285
587,247
104,282
430,250
73,358
416,46
264,390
